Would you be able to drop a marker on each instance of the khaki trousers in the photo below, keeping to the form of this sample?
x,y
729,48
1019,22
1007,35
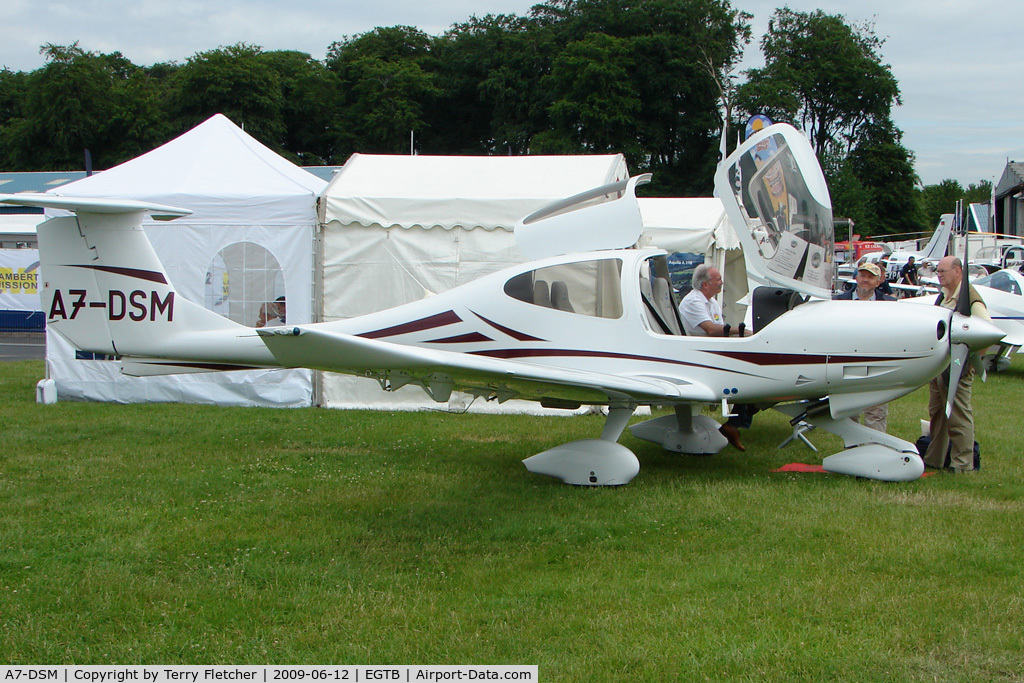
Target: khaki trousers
x,y
876,417
958,428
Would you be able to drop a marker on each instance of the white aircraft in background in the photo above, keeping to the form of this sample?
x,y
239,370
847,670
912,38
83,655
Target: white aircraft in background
x,y
924,261
591,321
932,252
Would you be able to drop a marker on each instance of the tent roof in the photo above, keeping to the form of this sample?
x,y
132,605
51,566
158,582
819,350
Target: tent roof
x,y
686,224
209,169
466,191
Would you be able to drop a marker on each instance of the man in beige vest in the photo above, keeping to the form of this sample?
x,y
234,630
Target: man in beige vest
x,y
958,428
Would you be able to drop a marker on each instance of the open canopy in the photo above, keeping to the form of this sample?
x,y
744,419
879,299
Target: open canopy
x,y
776,197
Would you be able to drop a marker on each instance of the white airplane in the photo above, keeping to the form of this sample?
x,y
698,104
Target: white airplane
x,y
574,327
932,252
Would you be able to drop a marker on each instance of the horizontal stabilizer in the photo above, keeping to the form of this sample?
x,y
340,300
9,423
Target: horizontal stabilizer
x,y
160,212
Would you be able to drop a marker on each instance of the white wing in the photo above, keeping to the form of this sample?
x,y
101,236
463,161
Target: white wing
x,y
442,371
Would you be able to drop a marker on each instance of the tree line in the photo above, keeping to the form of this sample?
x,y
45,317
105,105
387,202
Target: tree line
x,y
652,79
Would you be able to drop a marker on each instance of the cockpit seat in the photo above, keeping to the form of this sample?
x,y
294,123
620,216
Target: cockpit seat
x,y
560,296
662,293
541,294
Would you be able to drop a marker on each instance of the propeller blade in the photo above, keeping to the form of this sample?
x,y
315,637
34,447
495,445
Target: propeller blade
x,y
957,356
963,302
978,363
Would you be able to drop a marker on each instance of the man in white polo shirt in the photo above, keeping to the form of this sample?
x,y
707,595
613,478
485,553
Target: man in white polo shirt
x,y
702,316
700,311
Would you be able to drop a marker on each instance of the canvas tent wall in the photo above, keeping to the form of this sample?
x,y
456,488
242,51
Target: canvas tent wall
x,y
699,225
250,239
398,228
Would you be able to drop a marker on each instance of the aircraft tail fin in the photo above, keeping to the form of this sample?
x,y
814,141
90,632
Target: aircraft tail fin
x,y
936,247
103,286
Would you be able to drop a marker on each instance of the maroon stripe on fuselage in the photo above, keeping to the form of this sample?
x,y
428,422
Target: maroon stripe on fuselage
x,y
150,275
515,334
462,339
518,354
429,323
758,358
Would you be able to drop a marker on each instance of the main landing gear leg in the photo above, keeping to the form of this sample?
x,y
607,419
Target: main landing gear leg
x,y
869,453
591,462
685,432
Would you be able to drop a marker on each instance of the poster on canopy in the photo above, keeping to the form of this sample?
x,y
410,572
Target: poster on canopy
x,y
19,280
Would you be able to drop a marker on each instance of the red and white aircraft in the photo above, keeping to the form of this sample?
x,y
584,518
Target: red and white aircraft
x,y
591,321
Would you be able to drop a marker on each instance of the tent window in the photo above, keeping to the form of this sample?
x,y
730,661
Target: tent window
x,y
244,283
590,288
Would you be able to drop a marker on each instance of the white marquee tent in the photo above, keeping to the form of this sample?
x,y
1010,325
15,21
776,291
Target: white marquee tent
x,y
249,240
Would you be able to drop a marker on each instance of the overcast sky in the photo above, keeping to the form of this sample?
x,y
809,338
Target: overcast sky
x,y
958,63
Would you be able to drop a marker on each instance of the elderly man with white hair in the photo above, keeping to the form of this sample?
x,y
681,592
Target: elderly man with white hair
x,y
702,316
700,311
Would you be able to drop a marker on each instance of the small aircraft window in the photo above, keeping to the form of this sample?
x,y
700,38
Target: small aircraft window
x,y
245,283
588,288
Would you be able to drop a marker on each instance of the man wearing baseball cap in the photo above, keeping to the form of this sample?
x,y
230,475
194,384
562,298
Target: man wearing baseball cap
x,y
869,278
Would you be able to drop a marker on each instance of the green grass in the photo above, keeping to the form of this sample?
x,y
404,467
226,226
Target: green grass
x,y
158,534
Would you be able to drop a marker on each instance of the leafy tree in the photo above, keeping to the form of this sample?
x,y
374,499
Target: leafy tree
x,y
236,81
848,192
935,200
827,76
667,56
79,100
12,94
309,103
881,162
489,71
13,86
822,73
387,84
978,193
597,102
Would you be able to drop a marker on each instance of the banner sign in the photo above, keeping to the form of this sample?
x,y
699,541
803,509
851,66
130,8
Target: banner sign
x,y
19,280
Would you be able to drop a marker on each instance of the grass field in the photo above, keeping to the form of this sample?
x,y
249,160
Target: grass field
x,y
175,534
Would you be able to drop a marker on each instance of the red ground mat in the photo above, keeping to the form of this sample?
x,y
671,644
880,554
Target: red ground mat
x,y
800,467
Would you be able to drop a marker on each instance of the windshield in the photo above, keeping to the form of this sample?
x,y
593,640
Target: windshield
x,y
785,204
999,280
